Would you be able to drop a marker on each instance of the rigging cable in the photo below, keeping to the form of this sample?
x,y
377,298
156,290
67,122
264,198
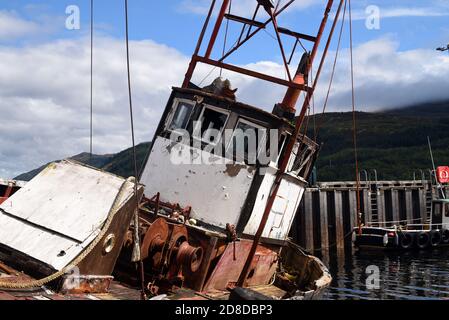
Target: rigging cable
x,y
326,101
91,75
226,35
354,122
136,256
313,106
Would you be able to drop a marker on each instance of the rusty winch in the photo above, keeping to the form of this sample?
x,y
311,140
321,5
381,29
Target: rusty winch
x,y
167,254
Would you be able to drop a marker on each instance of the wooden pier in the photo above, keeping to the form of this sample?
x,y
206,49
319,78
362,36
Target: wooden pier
x,y
328,212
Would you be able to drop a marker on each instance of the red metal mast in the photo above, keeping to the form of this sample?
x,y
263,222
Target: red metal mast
x,y
293,139
295,85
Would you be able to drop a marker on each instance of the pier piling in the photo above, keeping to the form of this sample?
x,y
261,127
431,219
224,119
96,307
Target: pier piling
x,y
329,210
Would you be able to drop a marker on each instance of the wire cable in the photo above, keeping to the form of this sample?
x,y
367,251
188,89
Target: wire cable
x,y
136,252
354,121
91,76
331,82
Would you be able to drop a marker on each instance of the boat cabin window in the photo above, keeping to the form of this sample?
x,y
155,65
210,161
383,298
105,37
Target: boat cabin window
x,y
211,124
304,160
181,116
247,141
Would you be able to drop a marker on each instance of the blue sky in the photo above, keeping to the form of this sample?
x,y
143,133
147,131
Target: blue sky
x,y
44,83
172,23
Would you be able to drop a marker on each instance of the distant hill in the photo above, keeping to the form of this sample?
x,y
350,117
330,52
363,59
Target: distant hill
x,y
119,164
392,142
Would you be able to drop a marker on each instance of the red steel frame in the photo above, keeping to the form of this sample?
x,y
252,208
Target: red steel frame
x,y
206,58
291,84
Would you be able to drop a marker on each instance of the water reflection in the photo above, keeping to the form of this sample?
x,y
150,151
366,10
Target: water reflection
x,y
406,275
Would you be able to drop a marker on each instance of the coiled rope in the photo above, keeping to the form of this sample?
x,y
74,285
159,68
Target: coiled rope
x,y
112,213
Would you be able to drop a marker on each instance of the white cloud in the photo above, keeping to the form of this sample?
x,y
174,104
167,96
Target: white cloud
x,y
44,92
388,78
12,26
44,98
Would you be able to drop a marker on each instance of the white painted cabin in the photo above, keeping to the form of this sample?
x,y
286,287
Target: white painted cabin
x,y
229,189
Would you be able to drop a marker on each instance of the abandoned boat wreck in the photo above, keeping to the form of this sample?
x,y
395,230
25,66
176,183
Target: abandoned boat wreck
x,y
213,208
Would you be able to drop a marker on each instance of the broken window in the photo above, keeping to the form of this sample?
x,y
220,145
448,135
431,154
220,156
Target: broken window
x,y
247,141
182,116
304,158
211,125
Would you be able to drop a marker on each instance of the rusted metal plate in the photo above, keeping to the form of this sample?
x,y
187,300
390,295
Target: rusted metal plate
x,y
230,265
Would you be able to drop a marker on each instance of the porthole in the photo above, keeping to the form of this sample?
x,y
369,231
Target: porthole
x,y
109,244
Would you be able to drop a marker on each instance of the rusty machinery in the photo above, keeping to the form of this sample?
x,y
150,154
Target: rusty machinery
x,y
165,249
166,252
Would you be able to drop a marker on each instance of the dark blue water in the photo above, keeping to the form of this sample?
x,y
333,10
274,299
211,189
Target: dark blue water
x,y
402,276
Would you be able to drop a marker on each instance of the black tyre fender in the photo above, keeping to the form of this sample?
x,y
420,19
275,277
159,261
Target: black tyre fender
x,y
423,240
445,236
435,238
406,240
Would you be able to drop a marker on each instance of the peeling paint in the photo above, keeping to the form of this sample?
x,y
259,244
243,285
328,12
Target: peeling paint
x,y
233,170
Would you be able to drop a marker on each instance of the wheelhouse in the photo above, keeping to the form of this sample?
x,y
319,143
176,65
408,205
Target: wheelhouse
x,y
220,157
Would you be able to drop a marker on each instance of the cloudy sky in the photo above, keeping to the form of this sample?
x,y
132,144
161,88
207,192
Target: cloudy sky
x,y
44,67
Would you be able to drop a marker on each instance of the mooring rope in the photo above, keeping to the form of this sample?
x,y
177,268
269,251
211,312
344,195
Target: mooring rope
x,y
392,222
